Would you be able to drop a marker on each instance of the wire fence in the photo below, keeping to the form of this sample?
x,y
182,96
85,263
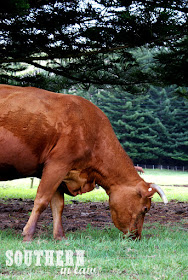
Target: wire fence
x,y
161,167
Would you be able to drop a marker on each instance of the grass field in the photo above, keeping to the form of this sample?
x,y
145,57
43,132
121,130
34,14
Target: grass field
x,y
168,180
161,254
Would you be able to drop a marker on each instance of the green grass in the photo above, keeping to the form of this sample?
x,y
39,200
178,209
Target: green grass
x,y
168,180
166,177
161,254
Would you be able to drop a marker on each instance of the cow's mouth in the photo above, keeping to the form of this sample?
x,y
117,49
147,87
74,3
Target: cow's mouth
x,y
133,235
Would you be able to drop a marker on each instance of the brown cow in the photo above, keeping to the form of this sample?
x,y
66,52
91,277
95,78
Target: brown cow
x,y
139,169
69,143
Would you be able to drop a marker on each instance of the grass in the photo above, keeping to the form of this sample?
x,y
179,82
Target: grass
x,y
161,254
165,178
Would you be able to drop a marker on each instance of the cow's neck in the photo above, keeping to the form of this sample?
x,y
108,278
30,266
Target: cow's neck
x,y
108,178
113,167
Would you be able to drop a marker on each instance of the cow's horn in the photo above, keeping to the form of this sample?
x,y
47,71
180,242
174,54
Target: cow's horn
x,y
160,192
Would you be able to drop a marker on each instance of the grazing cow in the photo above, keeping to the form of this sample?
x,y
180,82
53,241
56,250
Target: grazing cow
x,y
139,169
69,143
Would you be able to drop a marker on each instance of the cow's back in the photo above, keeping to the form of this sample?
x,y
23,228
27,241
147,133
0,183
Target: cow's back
x,y
33,120
25,131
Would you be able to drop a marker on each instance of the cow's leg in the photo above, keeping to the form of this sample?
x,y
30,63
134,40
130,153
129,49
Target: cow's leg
x,y
57,205
52,176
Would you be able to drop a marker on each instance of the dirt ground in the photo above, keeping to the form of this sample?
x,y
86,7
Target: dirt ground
x,y
14,214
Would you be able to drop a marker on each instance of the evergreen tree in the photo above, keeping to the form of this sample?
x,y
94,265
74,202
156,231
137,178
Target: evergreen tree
x,y
91,42
134,125
179,126
171,112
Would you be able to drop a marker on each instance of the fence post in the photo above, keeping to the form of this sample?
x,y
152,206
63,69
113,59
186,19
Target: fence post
x,y
32,180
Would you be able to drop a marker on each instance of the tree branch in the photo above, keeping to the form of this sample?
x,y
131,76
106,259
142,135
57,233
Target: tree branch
x,y
50,57
87,80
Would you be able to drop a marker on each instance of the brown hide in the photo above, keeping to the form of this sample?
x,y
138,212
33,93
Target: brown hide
x,y
77,183
70,144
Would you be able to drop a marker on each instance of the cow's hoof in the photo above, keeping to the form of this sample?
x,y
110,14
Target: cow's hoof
x,y
28,238
60,237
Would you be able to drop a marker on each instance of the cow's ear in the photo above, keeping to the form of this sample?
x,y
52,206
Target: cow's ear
x,y
149,192
146,190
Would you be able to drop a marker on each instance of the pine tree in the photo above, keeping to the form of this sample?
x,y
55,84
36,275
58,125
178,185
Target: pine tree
x,y
134,126
151,128
91,42
171,115
179,127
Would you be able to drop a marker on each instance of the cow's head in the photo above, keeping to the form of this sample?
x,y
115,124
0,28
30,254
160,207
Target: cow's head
x,y
130,204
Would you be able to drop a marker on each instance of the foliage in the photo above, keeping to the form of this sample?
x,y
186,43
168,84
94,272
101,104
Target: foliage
x,y
170,59
90,43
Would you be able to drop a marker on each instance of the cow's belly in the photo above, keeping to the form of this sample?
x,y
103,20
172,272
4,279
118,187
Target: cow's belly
x,y
16,158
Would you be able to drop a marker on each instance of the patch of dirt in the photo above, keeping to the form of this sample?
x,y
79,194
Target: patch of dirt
x,y
14,214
